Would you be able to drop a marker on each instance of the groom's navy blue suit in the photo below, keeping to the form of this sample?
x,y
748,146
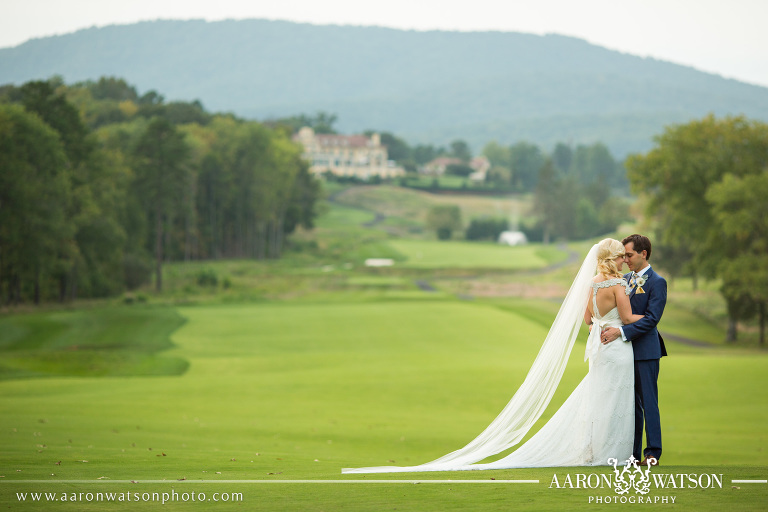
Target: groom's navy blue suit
x,y
648,347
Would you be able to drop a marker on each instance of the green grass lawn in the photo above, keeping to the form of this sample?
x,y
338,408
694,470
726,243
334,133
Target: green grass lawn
x,y
285,391
456,254
408,208
295,368
339,216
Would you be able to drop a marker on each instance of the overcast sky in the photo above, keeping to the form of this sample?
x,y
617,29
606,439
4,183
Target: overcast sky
x,y
729,38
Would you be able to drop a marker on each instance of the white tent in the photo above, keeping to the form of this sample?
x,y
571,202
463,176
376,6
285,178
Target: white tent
x,y
513,238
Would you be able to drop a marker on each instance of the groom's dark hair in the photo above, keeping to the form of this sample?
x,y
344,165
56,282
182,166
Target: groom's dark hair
x,y
640,243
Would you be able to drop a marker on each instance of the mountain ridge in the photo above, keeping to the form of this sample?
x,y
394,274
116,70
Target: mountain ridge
x,y
425,86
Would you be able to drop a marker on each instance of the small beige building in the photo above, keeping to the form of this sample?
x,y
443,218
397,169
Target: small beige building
x,y
438,166
347,155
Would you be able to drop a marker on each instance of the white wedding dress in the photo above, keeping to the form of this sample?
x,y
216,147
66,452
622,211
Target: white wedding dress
x,y
594,424
597,421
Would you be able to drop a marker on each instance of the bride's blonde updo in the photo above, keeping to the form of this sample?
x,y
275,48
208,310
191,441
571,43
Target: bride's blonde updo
x,y
607,251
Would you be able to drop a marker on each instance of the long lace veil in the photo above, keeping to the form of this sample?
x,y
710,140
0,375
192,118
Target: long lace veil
x,y
533,396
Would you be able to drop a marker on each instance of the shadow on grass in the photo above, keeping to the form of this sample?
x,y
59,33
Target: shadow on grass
x,y
104,342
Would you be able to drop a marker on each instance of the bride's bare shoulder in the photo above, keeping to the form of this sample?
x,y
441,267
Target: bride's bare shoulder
x,y
603,281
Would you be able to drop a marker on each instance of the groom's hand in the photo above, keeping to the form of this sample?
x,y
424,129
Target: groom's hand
x,y
609,334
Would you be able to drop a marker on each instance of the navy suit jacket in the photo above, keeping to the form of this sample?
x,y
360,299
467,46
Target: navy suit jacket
x,y
647,343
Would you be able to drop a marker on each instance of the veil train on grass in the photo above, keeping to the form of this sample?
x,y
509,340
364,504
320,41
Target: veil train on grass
x,y
531,399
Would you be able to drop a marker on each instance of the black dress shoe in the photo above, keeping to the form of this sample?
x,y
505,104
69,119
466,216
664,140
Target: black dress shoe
x,y
654,461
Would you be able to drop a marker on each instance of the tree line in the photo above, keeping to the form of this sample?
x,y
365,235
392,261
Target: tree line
x,y
444,219
518,165
100,186
578,192
514,168
703,188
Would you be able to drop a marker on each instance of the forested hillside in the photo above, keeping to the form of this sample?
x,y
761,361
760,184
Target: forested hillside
x,y
429,87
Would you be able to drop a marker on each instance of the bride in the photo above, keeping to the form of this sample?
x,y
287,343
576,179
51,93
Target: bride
x,y
596,422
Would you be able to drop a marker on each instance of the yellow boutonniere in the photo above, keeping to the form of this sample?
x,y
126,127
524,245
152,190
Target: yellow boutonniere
x,y
639,282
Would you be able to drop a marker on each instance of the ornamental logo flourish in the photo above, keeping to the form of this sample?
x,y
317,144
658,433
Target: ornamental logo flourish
x,y
632,476
629,479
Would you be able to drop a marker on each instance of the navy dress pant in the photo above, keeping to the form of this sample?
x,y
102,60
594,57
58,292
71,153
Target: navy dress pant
x,y
647,409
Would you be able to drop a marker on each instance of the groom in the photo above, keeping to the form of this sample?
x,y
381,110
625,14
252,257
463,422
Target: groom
x,y
648,296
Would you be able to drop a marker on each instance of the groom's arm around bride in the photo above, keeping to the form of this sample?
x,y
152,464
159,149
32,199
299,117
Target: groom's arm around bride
x,y
648,297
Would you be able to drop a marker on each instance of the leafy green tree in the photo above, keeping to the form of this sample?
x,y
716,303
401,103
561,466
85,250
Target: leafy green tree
x,y
486,229
99,199
595,167
253,189
211,203
151,98
41,98
740,210
161,174
320,122
93,261
674,177
497,154
593,163
739,305
500,173
305,194
111,88
397,149
673,181
257,193
36,237
566,204
613,212
571,209
460,149
444,219
279,178
458,170
544,201
586,222
562,156
181,112
525,161
423,154
500,177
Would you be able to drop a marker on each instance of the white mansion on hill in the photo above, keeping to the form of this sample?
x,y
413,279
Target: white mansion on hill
x,y
347,155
